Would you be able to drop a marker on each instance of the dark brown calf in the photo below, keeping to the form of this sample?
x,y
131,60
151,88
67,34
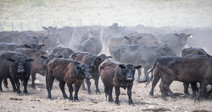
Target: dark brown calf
x,y
67,71
91,60
117,75
184,69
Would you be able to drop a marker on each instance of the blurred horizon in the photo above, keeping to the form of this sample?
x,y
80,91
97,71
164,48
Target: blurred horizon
x,y
33,14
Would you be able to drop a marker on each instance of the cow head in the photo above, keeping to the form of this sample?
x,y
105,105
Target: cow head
x,y
182,38
34,46
127,72
133,39
84,71
20,64
99,59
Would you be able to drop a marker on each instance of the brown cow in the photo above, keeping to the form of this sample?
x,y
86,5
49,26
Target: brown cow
x,y
184,69
117,75
67,71
90,59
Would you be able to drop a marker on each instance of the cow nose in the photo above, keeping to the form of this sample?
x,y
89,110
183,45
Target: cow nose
x,y
20,71
130,78
89,76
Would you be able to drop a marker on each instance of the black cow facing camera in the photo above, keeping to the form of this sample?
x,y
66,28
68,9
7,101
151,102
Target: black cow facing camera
x,y
15,66
117,75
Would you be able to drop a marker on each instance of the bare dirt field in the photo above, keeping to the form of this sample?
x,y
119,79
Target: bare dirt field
x,y
36,100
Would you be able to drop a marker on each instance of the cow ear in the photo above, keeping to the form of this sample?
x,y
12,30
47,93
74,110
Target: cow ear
x,y
126,37
27,46
34,37
44,57
11,59
122,66
139,37
41,45
55,27
60,56
46,37
138,67
45,28
109,57
92,68
78,67
190,35
29,60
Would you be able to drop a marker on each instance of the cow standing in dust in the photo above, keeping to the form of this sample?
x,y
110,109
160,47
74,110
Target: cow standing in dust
x,y
15,66
117,75
69,72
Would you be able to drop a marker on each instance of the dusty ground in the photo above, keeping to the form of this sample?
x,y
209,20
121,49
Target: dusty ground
x,y
37,100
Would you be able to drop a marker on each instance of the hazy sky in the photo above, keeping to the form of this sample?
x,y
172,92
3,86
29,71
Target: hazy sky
x,y
34,13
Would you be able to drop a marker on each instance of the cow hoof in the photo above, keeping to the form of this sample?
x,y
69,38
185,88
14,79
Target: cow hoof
x,y
151,96
165,99
76,100
33,86
98,92
131,103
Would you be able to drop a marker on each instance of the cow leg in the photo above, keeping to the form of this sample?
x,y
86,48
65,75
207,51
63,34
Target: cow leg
x,y
166,86
33,80
185,84
70,88
13,85
49,83
96,83
25,85
5,83
110,90
88,82
77,86
201,90
0,84
194,88
18,86
139,75
117,92
154,83
83,86
62,88
163,92
129,93
106,91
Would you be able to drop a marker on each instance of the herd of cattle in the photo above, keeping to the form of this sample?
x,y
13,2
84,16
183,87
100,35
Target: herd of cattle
x,y
72,56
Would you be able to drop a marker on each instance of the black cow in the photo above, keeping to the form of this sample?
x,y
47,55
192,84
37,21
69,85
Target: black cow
x,y
90,59
15,66
140,55
69,72
184,69
32,37
9,36
61,51
192,52
5,46
58,36
175,41
133,38
90,43
117,75
39,65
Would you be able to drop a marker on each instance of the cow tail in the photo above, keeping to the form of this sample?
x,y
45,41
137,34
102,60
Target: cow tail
x,y
153,67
